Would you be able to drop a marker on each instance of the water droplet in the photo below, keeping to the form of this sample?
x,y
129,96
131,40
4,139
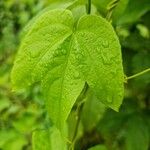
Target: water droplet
x,y
63,109
72,83
105,59
28,83
56,53
76,74
105,44
35,54
46,66
113,71
98,49
109,99
79,56
64,52
80,67
76,51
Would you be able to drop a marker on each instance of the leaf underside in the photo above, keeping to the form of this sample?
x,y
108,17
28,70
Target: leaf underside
x,y
63,58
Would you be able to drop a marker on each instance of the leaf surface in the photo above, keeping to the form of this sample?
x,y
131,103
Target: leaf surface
x,y
49,139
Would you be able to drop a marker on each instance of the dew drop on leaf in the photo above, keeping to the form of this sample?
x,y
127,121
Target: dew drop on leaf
x,y
34,54
98,49
105,44
64,51
105,59
76,74
109,99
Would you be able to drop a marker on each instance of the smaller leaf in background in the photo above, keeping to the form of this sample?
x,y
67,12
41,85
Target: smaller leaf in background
x,y
5,136
117,12
112,127
140,62
137,134
98,147
8,41
101,6
4,103
145,19
134,10
17,143
12,140
143,30
52,1
25,124
111,124
93,111
135,42
48,139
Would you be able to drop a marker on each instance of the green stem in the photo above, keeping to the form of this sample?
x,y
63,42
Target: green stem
x,y
80,104
111,6
138,74
88,8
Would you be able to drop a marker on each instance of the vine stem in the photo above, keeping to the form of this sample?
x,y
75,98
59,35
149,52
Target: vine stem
x,y
80,100
88,7
110,7
138,74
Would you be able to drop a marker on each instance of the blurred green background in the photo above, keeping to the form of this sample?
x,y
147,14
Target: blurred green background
x,y
22,113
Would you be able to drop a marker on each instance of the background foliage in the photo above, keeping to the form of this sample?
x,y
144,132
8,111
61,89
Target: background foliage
x,y
100,128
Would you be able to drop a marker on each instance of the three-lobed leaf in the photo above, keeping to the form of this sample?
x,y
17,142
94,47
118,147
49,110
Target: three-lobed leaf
x,y
63,57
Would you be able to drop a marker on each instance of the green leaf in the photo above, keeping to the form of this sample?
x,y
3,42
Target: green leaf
x,y
4,103
111,124
99,59
10,139
49,139
118,10
63,59
98,147
25,124
134,10
136,42
95,110
137,136
101,5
